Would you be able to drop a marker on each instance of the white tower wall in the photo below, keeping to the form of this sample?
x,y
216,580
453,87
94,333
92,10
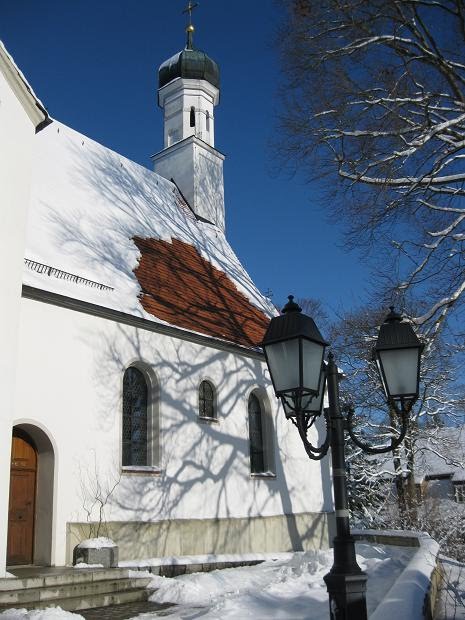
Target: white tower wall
x,y
189,156
197,170
179,99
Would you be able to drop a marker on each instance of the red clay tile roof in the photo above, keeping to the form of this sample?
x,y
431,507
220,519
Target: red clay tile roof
x,y
184,289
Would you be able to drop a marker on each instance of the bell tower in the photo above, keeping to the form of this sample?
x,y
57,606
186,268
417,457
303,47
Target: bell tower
x,y
188,91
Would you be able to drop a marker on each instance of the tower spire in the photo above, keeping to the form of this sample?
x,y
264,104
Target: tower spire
x,y
190,27
188,91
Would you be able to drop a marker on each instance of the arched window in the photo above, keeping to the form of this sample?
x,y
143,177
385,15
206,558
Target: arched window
x,y
192,117
206,400
257,456
135,445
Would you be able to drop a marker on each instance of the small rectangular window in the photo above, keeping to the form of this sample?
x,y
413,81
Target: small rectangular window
x,y
459,490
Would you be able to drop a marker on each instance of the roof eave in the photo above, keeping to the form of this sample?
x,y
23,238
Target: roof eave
x,y
31,104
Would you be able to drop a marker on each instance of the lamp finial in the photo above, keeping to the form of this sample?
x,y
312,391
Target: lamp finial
x,y
393,316
291,306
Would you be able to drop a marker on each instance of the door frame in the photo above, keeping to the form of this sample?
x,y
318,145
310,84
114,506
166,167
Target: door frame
x,y
45,497
20,434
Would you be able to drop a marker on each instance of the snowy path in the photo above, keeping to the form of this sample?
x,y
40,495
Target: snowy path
x,y
289,588
276,590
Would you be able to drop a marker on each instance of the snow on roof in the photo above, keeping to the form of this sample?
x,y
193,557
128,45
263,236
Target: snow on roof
x,y
459,476
441,453
437,454
23,81
89,205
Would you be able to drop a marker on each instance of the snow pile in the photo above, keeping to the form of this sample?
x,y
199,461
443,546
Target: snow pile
x,y
407,595
51,613
206,559
284,588
96,543
277,589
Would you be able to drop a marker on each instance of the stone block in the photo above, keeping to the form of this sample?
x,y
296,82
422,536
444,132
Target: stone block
x,y
106,556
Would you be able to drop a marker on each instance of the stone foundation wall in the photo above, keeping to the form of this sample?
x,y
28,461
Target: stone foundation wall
x,y
177,537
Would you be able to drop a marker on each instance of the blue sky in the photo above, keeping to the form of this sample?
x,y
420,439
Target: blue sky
x,y
94,65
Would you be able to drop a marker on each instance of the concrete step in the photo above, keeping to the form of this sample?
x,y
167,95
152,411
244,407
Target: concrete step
x,y
24,596
61,578
90,601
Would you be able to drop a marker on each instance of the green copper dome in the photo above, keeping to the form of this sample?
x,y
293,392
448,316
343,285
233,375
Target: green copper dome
x,y
189,64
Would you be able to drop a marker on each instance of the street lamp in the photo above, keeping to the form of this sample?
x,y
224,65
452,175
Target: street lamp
x,y
294,352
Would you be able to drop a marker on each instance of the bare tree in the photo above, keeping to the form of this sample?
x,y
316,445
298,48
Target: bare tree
x,y
374,93
96,495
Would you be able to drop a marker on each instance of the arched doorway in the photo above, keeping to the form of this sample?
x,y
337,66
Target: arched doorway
x,y
21,512
30,514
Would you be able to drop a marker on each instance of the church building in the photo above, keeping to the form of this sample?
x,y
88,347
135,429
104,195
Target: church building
x,y
136,403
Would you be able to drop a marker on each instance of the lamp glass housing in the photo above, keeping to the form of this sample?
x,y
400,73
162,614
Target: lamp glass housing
x,y
307,403
398,355
400,372
295,364
294,350
312,361
283,363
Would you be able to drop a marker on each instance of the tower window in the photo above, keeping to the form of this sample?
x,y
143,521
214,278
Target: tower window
x,y
208,121
192,117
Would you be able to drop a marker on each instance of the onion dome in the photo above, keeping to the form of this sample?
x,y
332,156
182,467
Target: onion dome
x,y
190,64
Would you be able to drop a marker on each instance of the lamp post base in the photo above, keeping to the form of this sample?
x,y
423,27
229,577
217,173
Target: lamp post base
x,y
347,595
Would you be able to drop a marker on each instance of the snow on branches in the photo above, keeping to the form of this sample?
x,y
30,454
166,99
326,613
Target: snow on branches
x,y
374,92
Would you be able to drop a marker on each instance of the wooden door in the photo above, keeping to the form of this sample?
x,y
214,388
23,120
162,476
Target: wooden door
x,y
22,500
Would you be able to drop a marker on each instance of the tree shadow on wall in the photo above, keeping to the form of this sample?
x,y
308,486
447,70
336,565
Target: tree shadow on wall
x,y
205,467
114,202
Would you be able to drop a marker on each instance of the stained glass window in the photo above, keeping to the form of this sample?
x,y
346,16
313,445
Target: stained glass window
x,y
134,418
206,400
257,459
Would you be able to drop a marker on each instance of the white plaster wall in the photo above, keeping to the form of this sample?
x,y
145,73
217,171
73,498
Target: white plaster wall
x,y
71,367
16,141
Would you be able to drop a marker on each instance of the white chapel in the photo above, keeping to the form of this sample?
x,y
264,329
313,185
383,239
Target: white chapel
x,y
135,397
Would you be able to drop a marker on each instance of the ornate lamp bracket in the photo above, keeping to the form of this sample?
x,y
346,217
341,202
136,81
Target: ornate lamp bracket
x,y
303,422
403,413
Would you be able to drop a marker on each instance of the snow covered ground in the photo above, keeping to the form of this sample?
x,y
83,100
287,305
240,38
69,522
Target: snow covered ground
x,y
289,588
281,589
52,613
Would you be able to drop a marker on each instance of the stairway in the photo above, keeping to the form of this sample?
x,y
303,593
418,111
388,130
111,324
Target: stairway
x,y
73,589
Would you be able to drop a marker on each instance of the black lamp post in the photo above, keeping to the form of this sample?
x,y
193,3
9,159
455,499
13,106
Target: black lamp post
x,y
294,352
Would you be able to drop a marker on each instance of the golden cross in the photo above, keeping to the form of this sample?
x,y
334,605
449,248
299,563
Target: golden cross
x,y
189,8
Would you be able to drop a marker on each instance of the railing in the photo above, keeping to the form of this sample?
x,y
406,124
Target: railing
x,y
64,275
